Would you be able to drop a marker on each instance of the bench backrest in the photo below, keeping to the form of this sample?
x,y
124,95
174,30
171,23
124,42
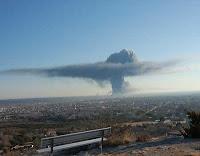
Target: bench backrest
x,y
74,137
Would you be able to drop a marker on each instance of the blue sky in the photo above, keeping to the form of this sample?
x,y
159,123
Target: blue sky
x,y
50,33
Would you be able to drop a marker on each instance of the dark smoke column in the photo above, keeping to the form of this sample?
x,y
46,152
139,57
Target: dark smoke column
x,y
117,83
123,57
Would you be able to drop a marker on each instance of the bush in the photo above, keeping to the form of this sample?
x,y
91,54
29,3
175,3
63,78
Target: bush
x,y
194,125
121,136
143,138
1,146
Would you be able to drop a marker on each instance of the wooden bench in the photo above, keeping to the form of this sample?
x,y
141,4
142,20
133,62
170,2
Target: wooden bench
x,y
73,140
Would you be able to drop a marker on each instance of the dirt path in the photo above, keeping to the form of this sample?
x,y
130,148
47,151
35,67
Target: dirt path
x,y
164,147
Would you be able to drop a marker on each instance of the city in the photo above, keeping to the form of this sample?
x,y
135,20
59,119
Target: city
x,y
32,119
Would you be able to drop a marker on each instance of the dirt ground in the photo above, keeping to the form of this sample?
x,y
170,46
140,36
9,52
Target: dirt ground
x,y
161,148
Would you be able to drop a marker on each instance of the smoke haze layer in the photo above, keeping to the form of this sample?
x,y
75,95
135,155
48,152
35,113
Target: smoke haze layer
x,y
114,69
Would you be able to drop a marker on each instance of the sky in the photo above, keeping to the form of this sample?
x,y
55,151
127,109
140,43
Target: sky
x,y
49,33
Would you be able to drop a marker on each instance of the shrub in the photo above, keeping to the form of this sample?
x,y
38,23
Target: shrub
x,y
194,125
1,146
121,136
143,138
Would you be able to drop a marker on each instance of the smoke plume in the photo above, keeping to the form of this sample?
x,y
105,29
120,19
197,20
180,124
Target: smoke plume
x,y
114,70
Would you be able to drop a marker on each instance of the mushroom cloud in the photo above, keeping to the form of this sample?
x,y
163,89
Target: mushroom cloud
x,y
116,67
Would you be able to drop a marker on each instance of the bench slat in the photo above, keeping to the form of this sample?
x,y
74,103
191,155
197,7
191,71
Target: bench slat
x,y
72,145
74,137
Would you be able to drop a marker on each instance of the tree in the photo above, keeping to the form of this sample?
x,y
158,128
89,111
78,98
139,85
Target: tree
x,y
194,125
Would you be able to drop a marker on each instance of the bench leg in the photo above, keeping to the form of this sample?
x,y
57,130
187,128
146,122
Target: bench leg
x,y
101,147
52,147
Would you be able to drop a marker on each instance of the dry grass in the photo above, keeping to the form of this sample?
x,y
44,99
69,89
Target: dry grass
x,y
121,136
143,138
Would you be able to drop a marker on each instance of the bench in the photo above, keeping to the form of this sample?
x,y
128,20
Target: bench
x,y
73,140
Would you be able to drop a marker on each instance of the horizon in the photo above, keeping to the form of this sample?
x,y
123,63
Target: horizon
x,y
139,95
44,34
